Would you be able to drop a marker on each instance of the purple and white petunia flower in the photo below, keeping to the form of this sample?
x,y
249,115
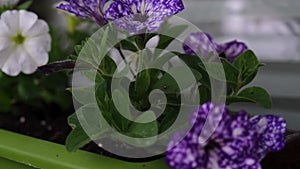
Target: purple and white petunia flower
x,y
205,43
137,15
86,9
238,142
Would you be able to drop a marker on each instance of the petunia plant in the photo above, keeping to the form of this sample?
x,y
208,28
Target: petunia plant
x,y
26,43
148,83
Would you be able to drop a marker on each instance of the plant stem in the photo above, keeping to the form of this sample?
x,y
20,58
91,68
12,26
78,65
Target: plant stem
x,y
124,58
141,60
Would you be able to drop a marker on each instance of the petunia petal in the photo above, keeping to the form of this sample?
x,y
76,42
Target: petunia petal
x,y
5,30
239,142
5,43
232,49
142,14
40,27
12,65
185,155
5,50
118,9
91,9
38,48
270,130
11,21
27,20
199,43
29,65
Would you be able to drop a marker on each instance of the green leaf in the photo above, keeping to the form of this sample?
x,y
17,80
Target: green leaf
x,y
196,63
146,128
250,74
102,97
84,95
94,76
256,95
247,60
145,125
168,118
91,119
167,84
5,102
160,61
142,83
248,66
205,94
25,5
169,35
104,41
28,89
122,103
77,49
77,139
231,72
119,122
73,121
127,45
108,66
216,71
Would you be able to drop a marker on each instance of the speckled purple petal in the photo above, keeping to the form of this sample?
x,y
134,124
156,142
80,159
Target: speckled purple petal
x,y
118,9
206,120
184,155
199,43
87,9
138,15
239,142
218,160
270,131
204,43
232,49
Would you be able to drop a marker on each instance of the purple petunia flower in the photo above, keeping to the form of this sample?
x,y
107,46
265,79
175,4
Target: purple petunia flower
x,y
205,43
238,142
137,15
87,9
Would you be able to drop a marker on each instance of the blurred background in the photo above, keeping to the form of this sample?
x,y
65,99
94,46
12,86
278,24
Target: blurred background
x,y
269,27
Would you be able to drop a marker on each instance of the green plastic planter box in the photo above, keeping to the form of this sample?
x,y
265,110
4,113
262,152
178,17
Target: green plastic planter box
x,y
23,152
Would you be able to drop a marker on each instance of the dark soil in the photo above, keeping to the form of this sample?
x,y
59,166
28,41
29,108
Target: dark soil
x,y
51,126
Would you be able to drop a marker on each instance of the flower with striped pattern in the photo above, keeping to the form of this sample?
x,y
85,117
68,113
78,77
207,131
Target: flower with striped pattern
x,y
202,43
140,15
238,142
86,9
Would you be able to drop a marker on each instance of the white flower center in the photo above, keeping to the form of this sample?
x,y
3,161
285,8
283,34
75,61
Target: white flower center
x,y
18,39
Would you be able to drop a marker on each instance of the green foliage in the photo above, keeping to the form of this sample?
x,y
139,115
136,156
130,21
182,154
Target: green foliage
x,y
77,139
142,83
169,36
118,107
144,130
239,74
256,95
25,5
34,92
248,66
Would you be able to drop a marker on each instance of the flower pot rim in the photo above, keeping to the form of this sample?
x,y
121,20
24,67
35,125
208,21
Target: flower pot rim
x,y
36,153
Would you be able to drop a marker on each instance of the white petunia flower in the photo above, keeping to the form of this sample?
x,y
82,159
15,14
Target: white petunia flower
x,y
24,42
8,2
